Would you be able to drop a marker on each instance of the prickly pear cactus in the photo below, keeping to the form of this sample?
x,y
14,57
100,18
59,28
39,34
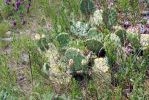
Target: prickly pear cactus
x,y
93,45
97,19
112,44
110,17
63,39
79,28
77,58
122,35
94,34
87,7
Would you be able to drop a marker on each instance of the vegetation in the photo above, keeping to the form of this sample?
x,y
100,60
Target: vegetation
x,y
74,50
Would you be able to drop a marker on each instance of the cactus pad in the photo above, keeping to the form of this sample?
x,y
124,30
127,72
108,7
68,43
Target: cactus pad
x,y
63,39
77,58
87,7
79,28
93,45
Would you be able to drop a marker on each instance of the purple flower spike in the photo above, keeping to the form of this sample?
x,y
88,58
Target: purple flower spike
x,y
18,3
16,9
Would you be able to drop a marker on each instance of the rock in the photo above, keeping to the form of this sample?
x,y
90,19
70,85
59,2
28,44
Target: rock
x,y
6,39
8,33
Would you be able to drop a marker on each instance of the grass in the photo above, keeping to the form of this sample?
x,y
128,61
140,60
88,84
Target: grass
x,y
129,70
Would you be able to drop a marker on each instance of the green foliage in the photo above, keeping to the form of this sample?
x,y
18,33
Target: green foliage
x,y
43,44
123,5
79,28
63,39
92,32
77,57
6,11
93,45
134,39
77,43
61,13
122,35
111,44
110,17
87,7
4,27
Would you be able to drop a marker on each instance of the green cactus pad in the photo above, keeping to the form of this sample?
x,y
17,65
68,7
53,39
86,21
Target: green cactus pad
x,y
87,7
93,45
92,32
79,28
63,39
110,17
77,57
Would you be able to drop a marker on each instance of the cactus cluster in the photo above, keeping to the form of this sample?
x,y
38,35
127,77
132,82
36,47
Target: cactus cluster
x,y
110,17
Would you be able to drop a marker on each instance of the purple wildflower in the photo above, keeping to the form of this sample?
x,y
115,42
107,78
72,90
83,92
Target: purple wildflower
x,y
7,1
14,23
18,3
126,24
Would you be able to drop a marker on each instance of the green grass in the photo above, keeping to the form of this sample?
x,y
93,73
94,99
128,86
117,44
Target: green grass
x,y
131,69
